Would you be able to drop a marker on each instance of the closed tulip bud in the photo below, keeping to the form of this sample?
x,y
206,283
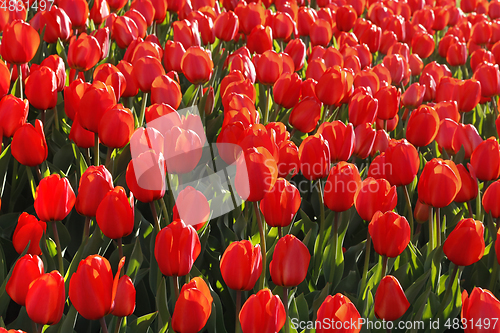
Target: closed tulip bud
x,y
381,142
423,126
286,90
124,304
13,114
92,289
489,77
362,109
341,186
265,306
183,208
314,157
333,77
84,52
390,233
146,8
41,88
466,136
374,195
54,198
145,176
27,269
115,215
56,22
269,68
490,199
339,309
480,305
290,262
94,184
280,204
72,97
116,127
28,229
390,300
56,63
165,90
288,159
469,189
77,10
260,40
45,299
19,42
365,138
320,32
183,150
297,50
413,96
197,65
346,17
396,64
146,70
193,307
439,183
388,99
125,31
469,95
305,114
80,136
447,110
423,44
485,160
282,26
99,11
457,54
465,244
403,162
131,86
28,144
176,248
259,166
248,258
226,26
98,99
250,16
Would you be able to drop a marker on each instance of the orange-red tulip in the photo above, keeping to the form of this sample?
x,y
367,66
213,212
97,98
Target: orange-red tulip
x,y
390,300
28,229
45,299
193,307
19,42
374,195
241,265
465,244
439,183
269,310
26,270
54,198
280,204
390,233
115,215
28,144
485,160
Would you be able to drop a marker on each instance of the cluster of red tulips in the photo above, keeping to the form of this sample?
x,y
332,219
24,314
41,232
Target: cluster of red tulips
x,y
349,125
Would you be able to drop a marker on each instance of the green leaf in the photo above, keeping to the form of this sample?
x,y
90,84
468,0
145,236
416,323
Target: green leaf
x,y
141,324
135,260
161,305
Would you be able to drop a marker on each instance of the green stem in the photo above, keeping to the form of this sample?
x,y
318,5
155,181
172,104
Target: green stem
x,y
120,249
237,328
58,247
195,96
103,325
56,119
285,301
268,97
384,265
280,233
164,210
118,324
431,230
438,226
469,208
86,230
334,235
20,81
410,209
176,286
262,245
96,149
448,289
318,251
155,217
367,262
143,108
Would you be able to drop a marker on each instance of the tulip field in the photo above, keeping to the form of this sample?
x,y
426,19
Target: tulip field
x,y
249,166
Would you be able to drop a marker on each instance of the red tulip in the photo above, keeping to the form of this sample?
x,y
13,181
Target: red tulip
x,y
282,26
256,173
390,233
334,77
314,157
124,31
489,77
286,90
447,110
485,160
290,262
250,16
56,63
13,114
80,136
226,26
124,304
439,183
56,22
479,307
54,198
197,65
28,229
413,96
280,204
346,17
27,269
72,97
465,244
184,203
305,114
19,42
41,88
45,299
241,265
145,175
469,189
365,138
320,32
374,195
98,99
340,139
390,300
262,313
490,199
362,109
94,184
84,52
338,309
423,126
388,99
297,50
260,40
115,214
176,248
28,144
77,10
402,159
423,44
193,307
341,186
92,289
469,95
269,68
